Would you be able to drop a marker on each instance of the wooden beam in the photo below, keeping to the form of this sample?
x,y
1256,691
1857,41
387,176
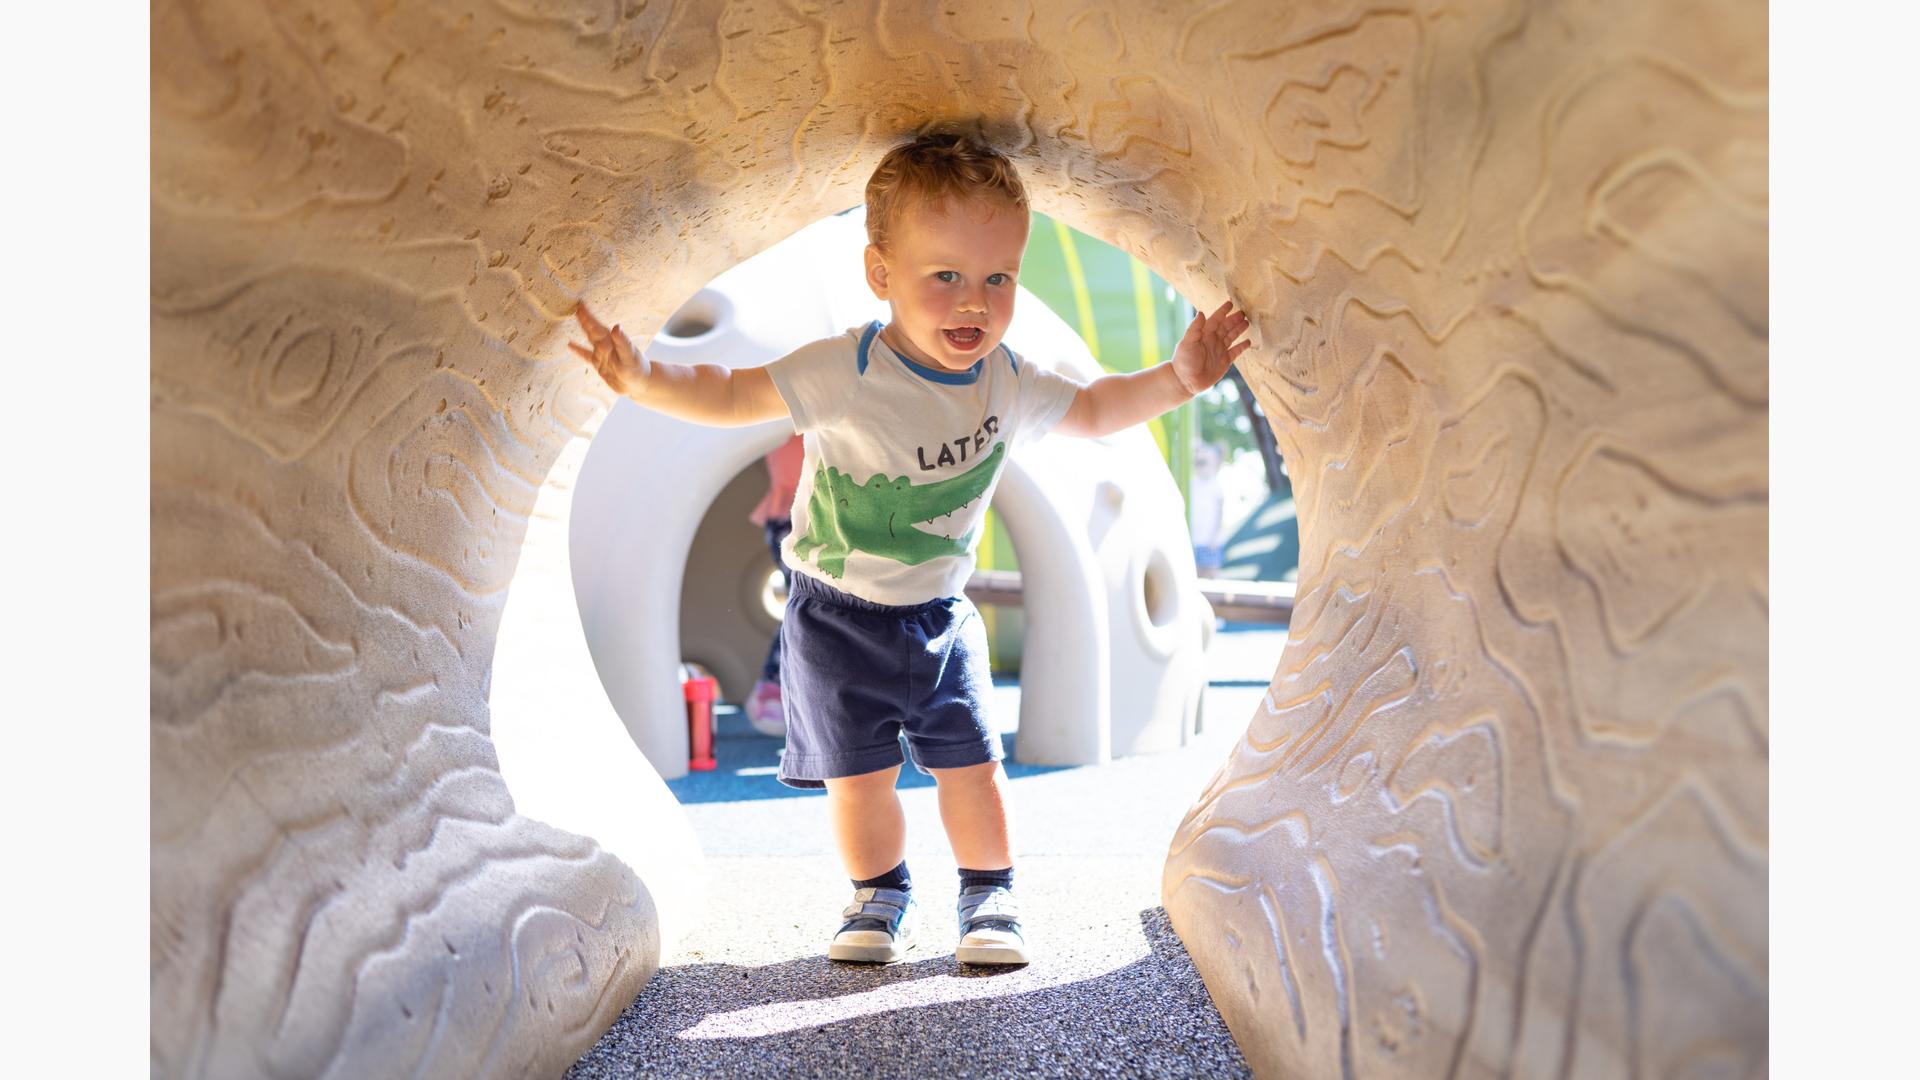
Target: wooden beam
x,y
1235,601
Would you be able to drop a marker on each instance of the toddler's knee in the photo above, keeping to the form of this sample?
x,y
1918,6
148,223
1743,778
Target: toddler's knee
x,y
968,775
880,780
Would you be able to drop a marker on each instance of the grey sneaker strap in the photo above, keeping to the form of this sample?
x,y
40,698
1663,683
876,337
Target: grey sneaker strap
x,y
874,908
984,906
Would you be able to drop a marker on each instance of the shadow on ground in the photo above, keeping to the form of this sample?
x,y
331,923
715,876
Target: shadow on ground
x,y
921,1018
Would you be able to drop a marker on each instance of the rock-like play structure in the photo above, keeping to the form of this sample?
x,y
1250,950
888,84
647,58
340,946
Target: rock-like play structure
x,y
1504,811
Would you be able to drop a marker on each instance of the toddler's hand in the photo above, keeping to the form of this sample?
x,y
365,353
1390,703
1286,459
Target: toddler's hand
x,y
611,354
1208,347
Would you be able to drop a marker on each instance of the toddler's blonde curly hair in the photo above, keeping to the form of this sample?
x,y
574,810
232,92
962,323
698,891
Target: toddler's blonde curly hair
x,y
933,167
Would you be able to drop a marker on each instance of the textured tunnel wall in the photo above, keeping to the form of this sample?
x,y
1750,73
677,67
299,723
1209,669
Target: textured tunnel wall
x,y
1504,809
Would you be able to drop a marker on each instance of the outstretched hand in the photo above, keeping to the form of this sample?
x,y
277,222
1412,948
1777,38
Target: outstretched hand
x,y
1209,347
610,353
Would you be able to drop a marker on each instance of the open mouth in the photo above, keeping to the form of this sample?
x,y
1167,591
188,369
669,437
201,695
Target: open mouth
x,y
947,526
966,337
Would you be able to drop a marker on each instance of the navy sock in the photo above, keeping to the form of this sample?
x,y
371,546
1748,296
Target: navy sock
x,y
896,878
986,877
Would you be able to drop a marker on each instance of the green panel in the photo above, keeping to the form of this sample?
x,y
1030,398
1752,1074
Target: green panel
x,y
1129,318
1104,289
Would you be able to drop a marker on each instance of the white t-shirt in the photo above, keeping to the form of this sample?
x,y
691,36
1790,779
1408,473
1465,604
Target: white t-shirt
x,y
901,460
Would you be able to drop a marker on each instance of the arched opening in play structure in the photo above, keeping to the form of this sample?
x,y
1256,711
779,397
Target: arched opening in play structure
x,y
1113,653
1107,663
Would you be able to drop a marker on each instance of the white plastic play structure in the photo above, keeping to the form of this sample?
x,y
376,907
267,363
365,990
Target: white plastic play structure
x,y
666,566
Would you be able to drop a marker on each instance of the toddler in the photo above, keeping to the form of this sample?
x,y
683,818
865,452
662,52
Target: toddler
x,y
905,429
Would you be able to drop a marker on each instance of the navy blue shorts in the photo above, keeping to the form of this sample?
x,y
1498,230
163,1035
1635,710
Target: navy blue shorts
x,y
854,674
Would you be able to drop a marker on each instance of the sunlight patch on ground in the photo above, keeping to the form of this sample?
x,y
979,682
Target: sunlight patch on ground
x,y
780,1017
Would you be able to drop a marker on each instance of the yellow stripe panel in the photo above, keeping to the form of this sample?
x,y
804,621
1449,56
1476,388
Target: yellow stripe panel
x,y
1082,302
1143,306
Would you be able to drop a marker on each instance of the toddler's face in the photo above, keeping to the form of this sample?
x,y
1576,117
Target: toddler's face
x,y
949,276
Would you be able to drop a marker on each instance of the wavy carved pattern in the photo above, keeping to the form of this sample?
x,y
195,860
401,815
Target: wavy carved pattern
x,y
1504,808
1554,518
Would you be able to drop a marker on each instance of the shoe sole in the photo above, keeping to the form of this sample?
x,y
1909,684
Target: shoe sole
x,y
871,954
990,954
867,954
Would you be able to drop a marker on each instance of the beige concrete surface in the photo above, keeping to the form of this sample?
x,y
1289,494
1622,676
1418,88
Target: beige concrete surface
x,y
1504,808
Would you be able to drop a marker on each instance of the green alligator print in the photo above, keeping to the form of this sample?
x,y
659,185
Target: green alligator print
x,y
877,517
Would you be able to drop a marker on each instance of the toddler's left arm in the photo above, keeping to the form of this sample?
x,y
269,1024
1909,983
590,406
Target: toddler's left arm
x,y
1112,402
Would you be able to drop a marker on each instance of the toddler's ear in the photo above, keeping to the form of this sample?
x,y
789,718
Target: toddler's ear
x,y
876,272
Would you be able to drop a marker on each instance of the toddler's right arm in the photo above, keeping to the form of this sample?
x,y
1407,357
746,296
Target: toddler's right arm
x,y
703,393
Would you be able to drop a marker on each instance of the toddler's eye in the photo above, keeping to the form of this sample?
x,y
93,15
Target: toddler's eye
x,y
948,276
997,279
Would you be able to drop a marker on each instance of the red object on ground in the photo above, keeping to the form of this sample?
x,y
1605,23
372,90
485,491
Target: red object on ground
x,y
700,692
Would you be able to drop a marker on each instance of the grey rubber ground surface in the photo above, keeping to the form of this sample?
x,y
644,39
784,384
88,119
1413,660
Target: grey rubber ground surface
x,y
1111,992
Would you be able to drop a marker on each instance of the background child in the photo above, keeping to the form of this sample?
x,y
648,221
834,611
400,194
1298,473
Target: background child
x,y
1206,512
905,429
764,708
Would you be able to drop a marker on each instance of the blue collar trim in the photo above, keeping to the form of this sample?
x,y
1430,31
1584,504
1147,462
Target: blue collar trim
x,y
866,340
950,378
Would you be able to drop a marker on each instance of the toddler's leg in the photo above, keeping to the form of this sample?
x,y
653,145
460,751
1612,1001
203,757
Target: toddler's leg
x,y
868,824
871,832
973,807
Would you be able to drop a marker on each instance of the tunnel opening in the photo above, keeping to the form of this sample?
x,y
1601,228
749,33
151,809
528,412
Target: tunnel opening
x,y
696,319
1073,816
1142,589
